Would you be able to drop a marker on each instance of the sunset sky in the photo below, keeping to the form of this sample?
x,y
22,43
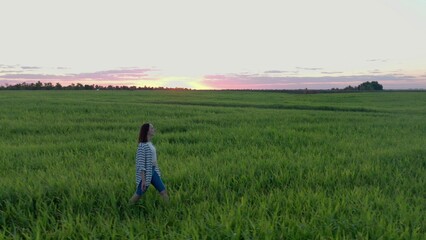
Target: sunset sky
x,y
251,44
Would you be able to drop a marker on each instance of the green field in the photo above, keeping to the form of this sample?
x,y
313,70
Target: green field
x,y
237,165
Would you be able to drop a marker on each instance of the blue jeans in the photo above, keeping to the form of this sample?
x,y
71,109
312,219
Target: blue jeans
x,y
155,180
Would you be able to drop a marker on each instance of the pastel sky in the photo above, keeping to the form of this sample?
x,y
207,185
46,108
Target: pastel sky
x,y
238,44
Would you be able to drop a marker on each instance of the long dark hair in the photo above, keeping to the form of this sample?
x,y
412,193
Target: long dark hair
x,y
143,133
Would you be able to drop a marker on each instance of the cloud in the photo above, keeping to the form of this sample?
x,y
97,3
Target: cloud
x,y
120,74
331,72
309,69
377,60
275,71
272,79
375,71
4,66
236,81
16,68
115,76
30,67
9,71
31,77
279,71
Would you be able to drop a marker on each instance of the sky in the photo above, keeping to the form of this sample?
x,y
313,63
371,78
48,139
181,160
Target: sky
x,y
250,44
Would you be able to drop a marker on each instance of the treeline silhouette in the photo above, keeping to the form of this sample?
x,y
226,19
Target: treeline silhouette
x,y
374,85
365,86
49,86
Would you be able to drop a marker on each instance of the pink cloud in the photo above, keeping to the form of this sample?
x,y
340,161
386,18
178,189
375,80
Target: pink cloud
x,y
247,81
114,74
113,77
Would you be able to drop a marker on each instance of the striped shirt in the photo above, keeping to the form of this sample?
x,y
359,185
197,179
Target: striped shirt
x,y
144,162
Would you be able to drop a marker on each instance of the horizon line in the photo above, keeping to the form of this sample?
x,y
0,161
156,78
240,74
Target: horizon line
x,y
133,87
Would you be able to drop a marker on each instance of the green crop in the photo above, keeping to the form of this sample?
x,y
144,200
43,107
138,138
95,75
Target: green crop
x,y
237,165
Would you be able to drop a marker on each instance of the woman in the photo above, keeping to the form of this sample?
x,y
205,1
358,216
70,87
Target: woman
x,y
147,170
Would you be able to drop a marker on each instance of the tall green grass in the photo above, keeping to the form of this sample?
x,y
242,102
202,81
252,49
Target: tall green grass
x,y
250,165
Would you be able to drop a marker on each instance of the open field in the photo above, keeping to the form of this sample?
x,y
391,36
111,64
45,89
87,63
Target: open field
x,y
251,165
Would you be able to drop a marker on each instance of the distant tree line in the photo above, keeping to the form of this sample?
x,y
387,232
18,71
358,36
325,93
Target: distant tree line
x,y
49,86
365,86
